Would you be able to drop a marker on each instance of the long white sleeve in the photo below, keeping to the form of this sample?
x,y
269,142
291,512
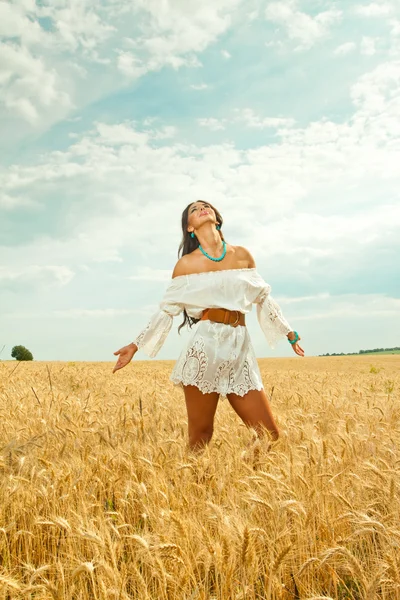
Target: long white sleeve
x,y
270,317
153,336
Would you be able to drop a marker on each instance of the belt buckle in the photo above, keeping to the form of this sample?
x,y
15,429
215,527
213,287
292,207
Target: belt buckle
x,y
236,323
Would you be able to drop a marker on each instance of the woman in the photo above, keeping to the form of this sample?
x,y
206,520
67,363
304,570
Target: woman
x,y
215,284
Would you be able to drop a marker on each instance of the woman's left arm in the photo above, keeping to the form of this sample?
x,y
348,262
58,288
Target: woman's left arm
x,y
269,314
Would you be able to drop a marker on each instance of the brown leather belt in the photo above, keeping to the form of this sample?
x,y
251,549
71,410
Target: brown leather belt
x,y
223,315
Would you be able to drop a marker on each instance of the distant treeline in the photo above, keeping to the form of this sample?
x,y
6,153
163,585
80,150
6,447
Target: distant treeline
x,y
397,348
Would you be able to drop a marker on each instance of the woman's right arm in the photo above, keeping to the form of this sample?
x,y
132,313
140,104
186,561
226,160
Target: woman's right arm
x,y
153,336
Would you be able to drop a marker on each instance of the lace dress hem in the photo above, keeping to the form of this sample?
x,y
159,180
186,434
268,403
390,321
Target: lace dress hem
x,y
207,387
218,358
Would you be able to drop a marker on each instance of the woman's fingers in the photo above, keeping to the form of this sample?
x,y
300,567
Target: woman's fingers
x,y
118,366
298,349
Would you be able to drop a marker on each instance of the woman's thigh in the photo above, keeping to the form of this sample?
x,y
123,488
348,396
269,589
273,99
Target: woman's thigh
x,y
200,408
254,410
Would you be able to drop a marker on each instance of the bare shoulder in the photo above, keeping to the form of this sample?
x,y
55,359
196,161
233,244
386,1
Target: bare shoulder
x,y
244,254
181,267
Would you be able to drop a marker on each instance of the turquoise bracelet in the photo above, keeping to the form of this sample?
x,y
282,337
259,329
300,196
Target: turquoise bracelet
x,y
295,339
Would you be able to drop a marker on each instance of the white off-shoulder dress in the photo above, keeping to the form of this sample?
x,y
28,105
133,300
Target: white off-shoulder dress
x,y
217,357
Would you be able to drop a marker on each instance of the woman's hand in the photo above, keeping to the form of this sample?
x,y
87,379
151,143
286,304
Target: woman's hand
x,y
125,356
296,347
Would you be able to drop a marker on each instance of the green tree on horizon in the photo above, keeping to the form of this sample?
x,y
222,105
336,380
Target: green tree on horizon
x,y
376,350
21,353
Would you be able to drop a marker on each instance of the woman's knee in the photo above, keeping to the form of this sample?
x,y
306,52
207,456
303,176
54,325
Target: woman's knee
x,y
204,432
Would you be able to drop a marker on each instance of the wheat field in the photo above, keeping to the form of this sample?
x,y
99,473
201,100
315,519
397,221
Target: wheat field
x,y
101,499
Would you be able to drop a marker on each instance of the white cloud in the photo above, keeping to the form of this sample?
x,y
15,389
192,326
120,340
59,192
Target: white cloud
x,y
355,306
174,33
165,132
47,71
15,23
373,9
150,274
395,27
300,27
212,123
306,299
330,233
35,276
78,25
252,119
367,46
38,66
199,86
28,87
130,65
122,133
96,313
226,54
186,27
253,15
378,91
9,203
345,49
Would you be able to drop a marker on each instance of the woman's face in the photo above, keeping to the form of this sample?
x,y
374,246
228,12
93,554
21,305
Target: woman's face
x,y
200,212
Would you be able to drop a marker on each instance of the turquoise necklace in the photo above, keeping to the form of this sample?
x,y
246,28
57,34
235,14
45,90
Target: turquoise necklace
x,y
211,257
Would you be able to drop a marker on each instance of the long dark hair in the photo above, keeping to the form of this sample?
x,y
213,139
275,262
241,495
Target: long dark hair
x,y
187,245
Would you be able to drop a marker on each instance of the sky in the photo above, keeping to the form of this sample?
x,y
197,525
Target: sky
x,y
115,115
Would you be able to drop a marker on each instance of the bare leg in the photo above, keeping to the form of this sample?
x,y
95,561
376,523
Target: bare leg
x,y
254,410
200,410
